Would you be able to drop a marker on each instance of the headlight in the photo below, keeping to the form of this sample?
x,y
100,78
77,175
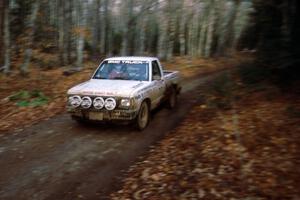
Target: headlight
x,y
75,101
86,102
125,103
98,103
110,103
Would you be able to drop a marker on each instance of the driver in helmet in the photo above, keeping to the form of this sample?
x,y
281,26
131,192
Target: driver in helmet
x,y
119,71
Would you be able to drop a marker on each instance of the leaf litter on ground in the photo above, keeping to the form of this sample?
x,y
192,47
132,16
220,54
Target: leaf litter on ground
x,y
246,151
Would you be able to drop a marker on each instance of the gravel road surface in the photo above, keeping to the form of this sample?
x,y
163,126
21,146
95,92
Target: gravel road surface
x,y
60,159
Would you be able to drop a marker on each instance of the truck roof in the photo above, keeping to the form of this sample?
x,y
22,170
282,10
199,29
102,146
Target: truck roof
x,y
133,58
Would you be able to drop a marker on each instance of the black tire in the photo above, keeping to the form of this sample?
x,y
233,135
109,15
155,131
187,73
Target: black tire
x,y
143,116
79,120
172,100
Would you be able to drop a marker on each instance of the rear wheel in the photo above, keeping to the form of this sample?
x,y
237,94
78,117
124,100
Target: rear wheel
x,y
143,116
172,100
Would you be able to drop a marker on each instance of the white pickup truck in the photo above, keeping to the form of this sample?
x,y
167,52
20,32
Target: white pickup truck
x,y
126,89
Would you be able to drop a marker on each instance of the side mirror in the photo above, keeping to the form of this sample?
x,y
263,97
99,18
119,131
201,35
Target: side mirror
x,y
156,78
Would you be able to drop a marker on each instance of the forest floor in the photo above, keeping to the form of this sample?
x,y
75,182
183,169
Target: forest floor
x,y
241,141
27,100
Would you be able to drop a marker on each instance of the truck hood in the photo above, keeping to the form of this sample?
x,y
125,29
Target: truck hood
x,y
121,88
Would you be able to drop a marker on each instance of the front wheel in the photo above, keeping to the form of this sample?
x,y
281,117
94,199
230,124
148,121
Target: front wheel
x,y
79,120
143,116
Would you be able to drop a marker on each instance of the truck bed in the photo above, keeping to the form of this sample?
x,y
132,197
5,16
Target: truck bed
x,y
171,77
166,72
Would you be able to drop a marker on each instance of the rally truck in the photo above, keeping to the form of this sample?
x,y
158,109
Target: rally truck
x,y
124,89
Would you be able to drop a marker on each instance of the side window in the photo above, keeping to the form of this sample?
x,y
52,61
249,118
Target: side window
x,y
155,70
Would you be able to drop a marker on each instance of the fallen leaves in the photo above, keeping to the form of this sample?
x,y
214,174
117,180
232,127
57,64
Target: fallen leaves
x,y
204,158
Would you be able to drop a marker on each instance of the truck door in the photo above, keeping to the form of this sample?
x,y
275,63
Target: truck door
x,y
158,82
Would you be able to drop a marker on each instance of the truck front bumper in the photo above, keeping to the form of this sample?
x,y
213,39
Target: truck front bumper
x,y
103,115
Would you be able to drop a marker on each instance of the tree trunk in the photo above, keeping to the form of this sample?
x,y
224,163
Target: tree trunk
x,y
230,35
80,45
162,53
182,24
162,36
142,38
203,29
61,31
6,37
67,28
97,27
193,35
142,33
103,29
210,30
124,50
242,17
127,32
171,29
81,20
70,40
2,6
222,30
31,30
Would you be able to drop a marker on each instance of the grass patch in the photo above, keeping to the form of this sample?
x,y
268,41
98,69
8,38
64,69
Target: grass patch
x,y
26,98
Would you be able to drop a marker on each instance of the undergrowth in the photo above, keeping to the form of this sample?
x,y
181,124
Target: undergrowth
x,y
26,98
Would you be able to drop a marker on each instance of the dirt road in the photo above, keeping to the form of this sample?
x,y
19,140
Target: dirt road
x,y
60,159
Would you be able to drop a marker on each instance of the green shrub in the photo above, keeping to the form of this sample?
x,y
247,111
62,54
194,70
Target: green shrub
x,y
20,95
26,98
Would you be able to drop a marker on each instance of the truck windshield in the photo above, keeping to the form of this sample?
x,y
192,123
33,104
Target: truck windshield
x,y
123,70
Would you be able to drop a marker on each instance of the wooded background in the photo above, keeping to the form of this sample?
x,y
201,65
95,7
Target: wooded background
x,y
54,33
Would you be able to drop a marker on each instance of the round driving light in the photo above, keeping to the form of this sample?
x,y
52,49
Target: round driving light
x,y
75,101
98,103
110,103
86,102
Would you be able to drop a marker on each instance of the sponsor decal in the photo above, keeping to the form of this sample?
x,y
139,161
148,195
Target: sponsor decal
x,y
126,61
114,61
99,93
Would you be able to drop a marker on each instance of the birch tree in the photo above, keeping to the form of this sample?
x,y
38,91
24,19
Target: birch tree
x,y
128,21
97,25
222,28
31,30
210,29
68,29
171,7
162,34
182,25
1,30
6,37
140,44
230,35
61,32
104,33
163,28
81,13
242,19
